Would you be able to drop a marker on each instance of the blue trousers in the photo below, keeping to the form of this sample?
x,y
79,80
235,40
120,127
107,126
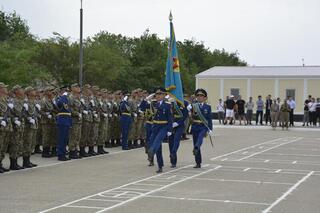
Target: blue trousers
x,y
63,138
198,133
148,134
158,134
125,122
174,143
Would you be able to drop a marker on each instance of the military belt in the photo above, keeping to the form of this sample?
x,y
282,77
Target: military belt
x,y
64,113
149,122
177,116
159,122
197,121
125,113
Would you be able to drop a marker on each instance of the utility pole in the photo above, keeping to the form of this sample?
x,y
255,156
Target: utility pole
x,y
81,48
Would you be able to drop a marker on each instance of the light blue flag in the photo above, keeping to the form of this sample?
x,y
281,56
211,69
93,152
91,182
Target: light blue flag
x,y
173,82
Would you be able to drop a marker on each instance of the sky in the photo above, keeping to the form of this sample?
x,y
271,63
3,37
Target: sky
x,y
263,32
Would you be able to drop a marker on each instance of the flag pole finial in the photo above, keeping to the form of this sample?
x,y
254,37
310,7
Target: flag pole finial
x,y
170,16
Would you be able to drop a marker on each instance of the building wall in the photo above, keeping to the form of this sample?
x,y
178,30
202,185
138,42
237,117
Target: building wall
x,y
263,87
296,84
240,84
212,86
314,87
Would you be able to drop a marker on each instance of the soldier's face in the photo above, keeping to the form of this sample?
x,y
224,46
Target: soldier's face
x,y
200,98
20,93
3,91
160,96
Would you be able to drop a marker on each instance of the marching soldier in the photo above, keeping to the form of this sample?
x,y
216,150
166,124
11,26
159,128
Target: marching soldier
x,y
5,124
201,123
149,115
103,125
48,126
76,115
162,127
31,126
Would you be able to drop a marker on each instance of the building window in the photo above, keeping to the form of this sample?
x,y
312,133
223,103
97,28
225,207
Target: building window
x,y
291,92
235,92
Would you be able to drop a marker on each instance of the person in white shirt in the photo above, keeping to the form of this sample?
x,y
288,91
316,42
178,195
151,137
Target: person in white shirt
x,y
220,110
292,106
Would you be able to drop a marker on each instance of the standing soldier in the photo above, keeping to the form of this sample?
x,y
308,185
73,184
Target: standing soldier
x,y
140,120
108,102
87,120
142,110
5,124
180,114
116,119
162,127
76,115
18,113
96,120
48,124
125,121
31,126
103,126
64,122
202,123
274,108
284,114
133,132
39,96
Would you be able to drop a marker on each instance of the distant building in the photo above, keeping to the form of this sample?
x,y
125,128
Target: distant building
x,y
278,81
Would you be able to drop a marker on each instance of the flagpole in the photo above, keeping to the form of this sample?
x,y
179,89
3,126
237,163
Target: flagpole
x,y
81,48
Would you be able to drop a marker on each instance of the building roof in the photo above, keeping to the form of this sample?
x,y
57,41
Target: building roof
x,y
261,72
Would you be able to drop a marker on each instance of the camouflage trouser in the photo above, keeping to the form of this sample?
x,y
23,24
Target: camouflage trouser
x,y
15,142
29,142
94,134
186,125
284,119
103,132
115,131
2,143
49,135
140,133
39,134
109,130
133,130
274,119
85,133
75,136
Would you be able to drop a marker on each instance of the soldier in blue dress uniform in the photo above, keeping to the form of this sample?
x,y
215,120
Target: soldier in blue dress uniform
x,y
64,122
125,121
180,114
161,128
201,123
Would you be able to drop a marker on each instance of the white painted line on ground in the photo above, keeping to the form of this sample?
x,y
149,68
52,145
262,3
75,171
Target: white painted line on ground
x,y
244,152
224,159
135,189
279,170
257,153
118,195
147,184
294,162
246,169
240,150
173,176
85,207
266,161
208,200
288,192
245,181
298,155
103,200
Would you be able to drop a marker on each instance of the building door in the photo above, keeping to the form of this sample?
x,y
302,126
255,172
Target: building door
x,y
291,92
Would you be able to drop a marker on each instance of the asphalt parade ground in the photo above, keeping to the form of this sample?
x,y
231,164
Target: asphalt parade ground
x,y
250,169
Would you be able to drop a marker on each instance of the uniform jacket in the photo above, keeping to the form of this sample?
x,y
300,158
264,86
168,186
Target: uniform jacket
x,y
163,115
64,112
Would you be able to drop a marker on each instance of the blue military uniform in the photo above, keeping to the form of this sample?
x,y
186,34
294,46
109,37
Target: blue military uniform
x,y
64,122
180,114
162,124
125,122
149,114
201,125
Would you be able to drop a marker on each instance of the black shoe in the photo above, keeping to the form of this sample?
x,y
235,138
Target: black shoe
x,y
118,143
150,155
159,170
74,155
197,166
63,158
101,151
195,151
151,163
26,162
173,166
91,151
3,169
54,152
46,152
83,152
107,145
37,149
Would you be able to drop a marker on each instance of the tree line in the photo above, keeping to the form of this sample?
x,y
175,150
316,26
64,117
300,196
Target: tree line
x,y
111,61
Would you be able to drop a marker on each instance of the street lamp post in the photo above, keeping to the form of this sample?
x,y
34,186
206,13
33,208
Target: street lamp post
x,y
81,49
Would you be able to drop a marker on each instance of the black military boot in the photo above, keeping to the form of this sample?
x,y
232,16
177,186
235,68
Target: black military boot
x,y
130,144
101,151
3,169
30,163
37,149
135,144
83,152
113,143
118,142
14,165
54,152
142,143
26,163
46,152
107,144
91,151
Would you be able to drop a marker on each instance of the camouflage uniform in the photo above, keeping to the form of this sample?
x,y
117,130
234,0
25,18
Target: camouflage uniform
x,y
284,115
115,131
75,131
103,126
133,133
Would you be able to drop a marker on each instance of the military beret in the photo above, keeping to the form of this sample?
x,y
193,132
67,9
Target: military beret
x,y
64,87
49,88
201,92
3,85
96,88
29,89
75,85
160,90
104,90
87,86
16,87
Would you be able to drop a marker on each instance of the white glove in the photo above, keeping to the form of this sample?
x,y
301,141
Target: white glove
x,y
167,96
125,98
49,116
26,106
210,132
85,112
80,115
10,105
109,104
54,102
169,134
135,114
189,107
105,115
92,102
3,123
95,115
82,100
140,111
150,96
18,123
65,93
171,100
38,107
110,115
32,121
101,103
175,124
115,115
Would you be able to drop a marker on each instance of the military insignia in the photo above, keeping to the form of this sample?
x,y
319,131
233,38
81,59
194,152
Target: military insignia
x,y
176,65
205,111
65,106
